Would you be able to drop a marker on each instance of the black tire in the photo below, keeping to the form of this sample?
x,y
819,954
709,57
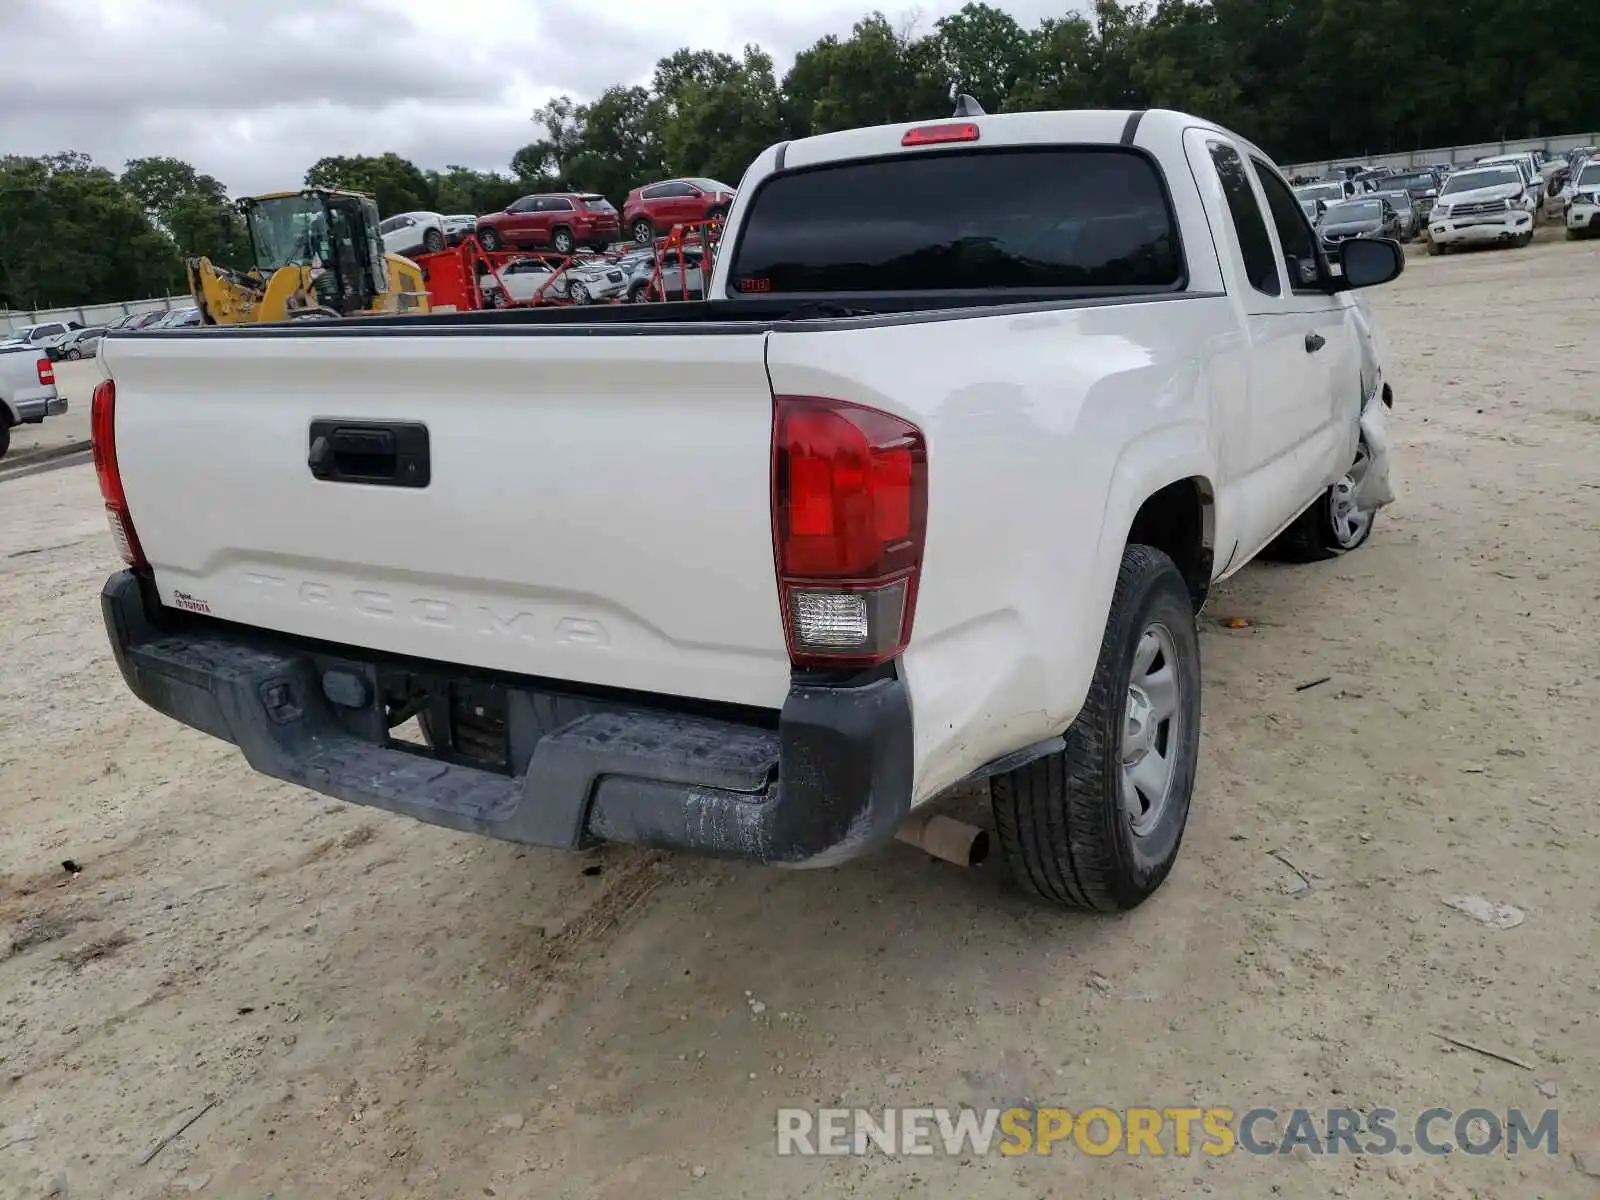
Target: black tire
x,y
74,354
717,214
5,434
578,293
489,239
1434,248
433,241
561,241
1573,234
1524,240
644,233
1312,537
1060,819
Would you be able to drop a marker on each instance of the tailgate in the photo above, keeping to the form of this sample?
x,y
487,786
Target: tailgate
x,y
597,511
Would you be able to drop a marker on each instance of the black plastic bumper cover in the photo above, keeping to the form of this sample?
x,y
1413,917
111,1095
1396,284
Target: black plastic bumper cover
x,y
831,782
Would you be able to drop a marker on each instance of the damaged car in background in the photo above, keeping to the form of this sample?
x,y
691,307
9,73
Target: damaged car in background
x,y
1361,217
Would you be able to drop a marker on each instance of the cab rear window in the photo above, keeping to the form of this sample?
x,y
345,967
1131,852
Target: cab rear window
x,y
1073,218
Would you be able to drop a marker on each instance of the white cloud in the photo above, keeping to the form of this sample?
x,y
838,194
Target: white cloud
x,y
254,91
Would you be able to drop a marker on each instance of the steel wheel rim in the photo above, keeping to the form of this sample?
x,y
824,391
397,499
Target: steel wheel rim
x,y
1152,730
1349,520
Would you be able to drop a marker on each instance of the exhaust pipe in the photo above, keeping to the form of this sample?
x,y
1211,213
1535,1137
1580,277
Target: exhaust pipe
x,y
945,837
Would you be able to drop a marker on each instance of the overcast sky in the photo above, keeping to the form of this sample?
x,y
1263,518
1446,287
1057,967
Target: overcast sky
x,y
254,91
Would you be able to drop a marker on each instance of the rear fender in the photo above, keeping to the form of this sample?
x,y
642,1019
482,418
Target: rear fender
x,y
9,412
1149,463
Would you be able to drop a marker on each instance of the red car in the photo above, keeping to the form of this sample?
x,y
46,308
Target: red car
x,y
657,207
561,220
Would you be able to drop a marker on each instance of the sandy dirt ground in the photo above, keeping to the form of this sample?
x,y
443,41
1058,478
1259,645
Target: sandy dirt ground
x,y
380,1009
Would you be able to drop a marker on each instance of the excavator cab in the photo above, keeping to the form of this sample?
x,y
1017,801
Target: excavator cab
x,y
334,235
315,253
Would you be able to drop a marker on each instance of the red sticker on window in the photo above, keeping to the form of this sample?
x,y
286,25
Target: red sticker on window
x,y
758,283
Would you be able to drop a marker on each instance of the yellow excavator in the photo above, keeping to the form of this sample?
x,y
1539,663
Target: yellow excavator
x,y
317,254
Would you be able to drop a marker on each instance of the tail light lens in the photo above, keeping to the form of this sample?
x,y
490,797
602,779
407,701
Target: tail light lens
x,y
103,438
849,518
47,373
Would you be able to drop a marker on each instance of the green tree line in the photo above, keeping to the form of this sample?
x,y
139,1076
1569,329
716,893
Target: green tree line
x,y
1305,79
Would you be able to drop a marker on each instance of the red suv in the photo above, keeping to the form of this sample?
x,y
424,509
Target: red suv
x,y
560,220
658,207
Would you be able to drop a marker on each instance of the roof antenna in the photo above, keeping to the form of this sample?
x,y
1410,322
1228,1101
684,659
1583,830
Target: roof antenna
x,y
966,106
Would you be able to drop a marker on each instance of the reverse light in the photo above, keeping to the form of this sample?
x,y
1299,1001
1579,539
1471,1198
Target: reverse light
x,y
47,372
849,518
103,439
934,135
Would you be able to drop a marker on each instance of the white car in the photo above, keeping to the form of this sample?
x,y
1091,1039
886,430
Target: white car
x,y
1530,166
46,336
582,283
929,491
1314,197
413,233
1482,205
1581,202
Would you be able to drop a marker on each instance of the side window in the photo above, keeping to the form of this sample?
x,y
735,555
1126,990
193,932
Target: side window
x,y
556,204
657,192
1294,235
675,190
1248,223
526,204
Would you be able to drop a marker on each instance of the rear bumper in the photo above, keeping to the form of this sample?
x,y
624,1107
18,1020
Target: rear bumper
x,y
31,412
829,780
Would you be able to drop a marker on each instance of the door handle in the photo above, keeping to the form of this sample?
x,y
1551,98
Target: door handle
x,y
383,453
1315,342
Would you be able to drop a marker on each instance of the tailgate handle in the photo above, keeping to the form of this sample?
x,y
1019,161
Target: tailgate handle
x,y
379,453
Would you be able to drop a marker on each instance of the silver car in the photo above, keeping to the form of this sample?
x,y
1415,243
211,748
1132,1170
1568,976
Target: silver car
x,y
81,343
683,280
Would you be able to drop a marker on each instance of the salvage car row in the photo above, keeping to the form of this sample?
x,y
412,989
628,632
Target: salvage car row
x,y
565,221
1496,200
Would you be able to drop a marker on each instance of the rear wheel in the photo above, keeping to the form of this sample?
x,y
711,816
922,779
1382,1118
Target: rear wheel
x,y
489,239
433,241
1098,824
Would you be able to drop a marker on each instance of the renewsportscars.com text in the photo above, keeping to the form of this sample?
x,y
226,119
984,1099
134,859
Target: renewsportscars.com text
x,y
1101,1131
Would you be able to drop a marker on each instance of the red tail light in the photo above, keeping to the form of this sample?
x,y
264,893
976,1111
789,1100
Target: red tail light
x,y
934,135
47,373
103,438
849,517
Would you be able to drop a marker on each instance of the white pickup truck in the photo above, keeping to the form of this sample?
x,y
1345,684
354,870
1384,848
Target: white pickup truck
x,y
27,390
930,489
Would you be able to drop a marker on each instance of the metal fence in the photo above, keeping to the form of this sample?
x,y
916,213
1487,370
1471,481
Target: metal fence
x,y
89,314
1445,154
